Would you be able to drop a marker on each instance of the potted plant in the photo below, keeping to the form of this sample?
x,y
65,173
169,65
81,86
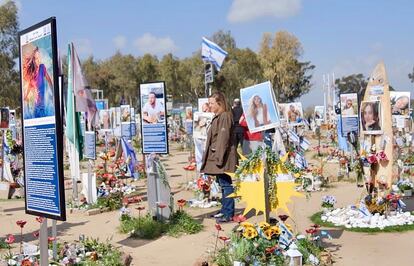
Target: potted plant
x,y
406,186
328,203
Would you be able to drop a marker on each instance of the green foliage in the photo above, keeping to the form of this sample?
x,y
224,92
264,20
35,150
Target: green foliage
x,y
279,57
182,223
351,84
144,227
411,76
109,255
223,258
9,76
308,247
316,218
3,244
113,202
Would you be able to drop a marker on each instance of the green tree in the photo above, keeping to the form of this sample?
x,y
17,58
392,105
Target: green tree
x,y
119,78
191,81
147,68
224,39
279,57
351,84
169,72
9,76
411,76
355,83
242,69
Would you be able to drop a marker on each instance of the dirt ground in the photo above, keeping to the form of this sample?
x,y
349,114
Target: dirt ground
x,y
349,248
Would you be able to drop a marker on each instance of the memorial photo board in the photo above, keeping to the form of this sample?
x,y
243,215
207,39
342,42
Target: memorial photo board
x,y
153,118
41,121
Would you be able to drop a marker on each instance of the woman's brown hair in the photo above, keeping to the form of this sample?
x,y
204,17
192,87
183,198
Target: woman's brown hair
x,y
220,100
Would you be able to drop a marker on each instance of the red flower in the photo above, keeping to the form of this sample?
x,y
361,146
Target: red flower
x,y
271,250
51,239
218,227
161,205
382,156
283,217
36,234
224,238
239,218
21,223
372,158
10,239
311,231
40,219
181,202
26,262
125,201
140,208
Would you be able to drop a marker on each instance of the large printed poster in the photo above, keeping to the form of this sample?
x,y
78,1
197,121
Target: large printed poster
x,y
259,107
42,126
153,122
349,113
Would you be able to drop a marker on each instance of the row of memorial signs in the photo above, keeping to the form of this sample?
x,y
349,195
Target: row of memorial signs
x,y
42,126
369,116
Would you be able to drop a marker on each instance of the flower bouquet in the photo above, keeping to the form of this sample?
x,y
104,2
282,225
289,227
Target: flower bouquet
x,y
328,202
262,244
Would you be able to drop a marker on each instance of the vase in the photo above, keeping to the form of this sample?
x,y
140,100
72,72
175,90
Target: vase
x,y
408,193
238,263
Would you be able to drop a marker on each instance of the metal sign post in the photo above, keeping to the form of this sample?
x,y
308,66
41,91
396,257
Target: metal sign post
x,y
208,77
43,243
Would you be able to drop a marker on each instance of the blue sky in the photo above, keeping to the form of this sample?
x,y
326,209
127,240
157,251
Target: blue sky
x,y
341,37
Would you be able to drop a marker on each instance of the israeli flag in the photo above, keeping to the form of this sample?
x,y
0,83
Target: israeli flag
x,y
285,236
293,136
129,155
213,53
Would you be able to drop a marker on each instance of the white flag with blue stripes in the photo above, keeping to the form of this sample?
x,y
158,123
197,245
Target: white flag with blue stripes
x,y
213,53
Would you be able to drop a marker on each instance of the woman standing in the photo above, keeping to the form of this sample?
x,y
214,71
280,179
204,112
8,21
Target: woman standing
x,y
220,155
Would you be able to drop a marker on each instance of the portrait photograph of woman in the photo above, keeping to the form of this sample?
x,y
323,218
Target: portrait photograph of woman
x,y
37,79
349,104
400,103
259,107
371,118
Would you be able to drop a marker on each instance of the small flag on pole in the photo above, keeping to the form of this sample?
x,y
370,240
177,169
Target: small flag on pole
x,y
213,53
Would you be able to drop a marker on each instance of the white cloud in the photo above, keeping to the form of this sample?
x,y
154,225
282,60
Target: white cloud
x,y
119,41
149,43
83,46
247,10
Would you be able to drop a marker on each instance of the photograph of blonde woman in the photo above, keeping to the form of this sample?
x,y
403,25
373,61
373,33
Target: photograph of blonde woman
x,y
400,103
37,82
258,111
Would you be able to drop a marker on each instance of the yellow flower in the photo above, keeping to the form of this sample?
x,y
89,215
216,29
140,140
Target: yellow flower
x,y
269,233
246,224
276,230
250,233
264,225
296,175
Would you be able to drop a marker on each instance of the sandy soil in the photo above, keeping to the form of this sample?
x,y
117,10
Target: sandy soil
x,y
349,248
